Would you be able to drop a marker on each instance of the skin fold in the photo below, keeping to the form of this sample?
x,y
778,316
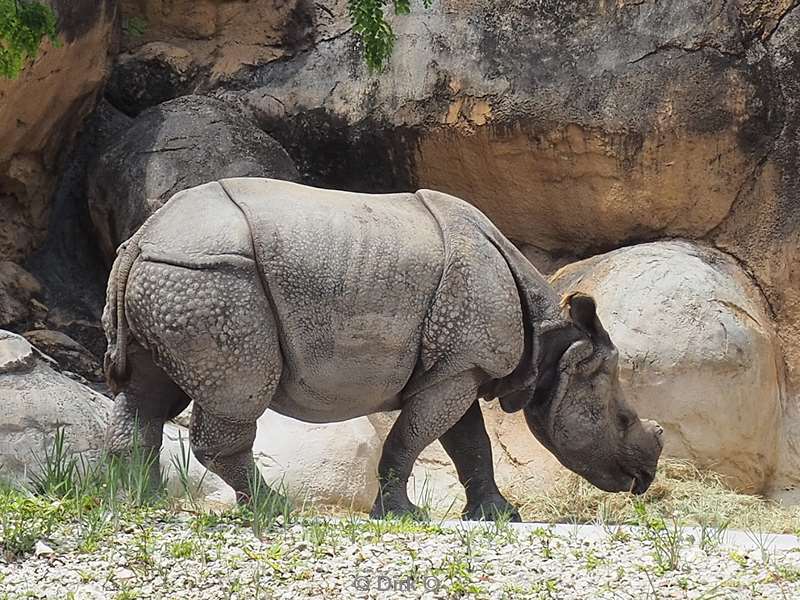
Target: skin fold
x,y
248,294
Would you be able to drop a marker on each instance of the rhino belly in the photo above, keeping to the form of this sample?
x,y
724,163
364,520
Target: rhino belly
x,y
351,277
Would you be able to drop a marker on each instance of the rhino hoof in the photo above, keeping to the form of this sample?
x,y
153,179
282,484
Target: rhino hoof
x,y
492,510
387,510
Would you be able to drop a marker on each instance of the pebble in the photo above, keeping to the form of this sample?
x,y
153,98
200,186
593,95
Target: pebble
x,y
228,561
42,549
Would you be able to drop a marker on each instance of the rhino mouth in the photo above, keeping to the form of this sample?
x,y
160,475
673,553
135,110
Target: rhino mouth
x,y
640,481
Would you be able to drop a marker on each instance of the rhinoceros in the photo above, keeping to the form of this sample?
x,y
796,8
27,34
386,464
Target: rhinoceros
x,y
246,294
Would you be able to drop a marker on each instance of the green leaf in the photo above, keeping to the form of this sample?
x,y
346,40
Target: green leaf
x,y
23,25
370,25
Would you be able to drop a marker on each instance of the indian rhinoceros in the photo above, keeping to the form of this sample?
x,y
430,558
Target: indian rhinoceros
x,y
247,294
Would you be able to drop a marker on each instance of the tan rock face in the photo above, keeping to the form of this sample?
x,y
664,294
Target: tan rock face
x,y
41,111
763,232
763,16
613,192
221,35
575,128
697,352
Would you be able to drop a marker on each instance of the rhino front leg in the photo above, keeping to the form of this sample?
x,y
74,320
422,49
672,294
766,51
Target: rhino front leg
x,y
425,416
468,446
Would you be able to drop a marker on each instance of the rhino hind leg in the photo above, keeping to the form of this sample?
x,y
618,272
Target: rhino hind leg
x,y
225,447
425,416
146,400
468,446
214,332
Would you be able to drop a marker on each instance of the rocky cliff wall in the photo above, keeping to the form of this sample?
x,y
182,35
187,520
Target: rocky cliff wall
x,y
579,126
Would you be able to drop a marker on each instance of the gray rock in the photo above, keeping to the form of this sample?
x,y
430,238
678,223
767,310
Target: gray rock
x,y
17,291
36,400
179,144
149,75
68,353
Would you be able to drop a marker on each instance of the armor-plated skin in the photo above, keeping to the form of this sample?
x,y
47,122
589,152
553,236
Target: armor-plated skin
x,y
245,294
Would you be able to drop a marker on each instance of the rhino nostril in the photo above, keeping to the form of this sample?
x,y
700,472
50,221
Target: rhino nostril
x,y
659,430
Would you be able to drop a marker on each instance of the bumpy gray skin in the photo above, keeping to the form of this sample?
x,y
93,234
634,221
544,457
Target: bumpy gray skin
x,y
246,293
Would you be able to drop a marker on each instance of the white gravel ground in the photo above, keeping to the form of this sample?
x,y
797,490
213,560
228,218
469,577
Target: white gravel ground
x,y
181,556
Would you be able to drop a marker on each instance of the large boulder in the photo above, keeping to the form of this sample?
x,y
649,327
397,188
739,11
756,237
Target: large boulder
x,y
698,352
314,463
329,463
177,145
42,111
36,400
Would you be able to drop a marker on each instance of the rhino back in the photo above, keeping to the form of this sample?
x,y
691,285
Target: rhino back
x,y
351,277
198,227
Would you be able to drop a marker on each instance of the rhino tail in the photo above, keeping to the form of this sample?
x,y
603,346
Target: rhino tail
x,y
115,322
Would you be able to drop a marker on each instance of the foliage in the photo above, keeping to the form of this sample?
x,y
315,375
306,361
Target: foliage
x,y
134,26
23,24
97,498
370,25
24,519
58,472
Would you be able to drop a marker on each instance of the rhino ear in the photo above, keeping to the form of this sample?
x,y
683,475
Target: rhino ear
x,y
582,310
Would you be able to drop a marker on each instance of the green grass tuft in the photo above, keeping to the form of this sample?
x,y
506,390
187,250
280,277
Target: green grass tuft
x,y
65,489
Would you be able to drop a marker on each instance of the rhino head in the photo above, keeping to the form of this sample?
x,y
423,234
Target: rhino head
x,y
573,403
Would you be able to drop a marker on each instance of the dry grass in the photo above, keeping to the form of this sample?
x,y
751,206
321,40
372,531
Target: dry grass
x,y
680,491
